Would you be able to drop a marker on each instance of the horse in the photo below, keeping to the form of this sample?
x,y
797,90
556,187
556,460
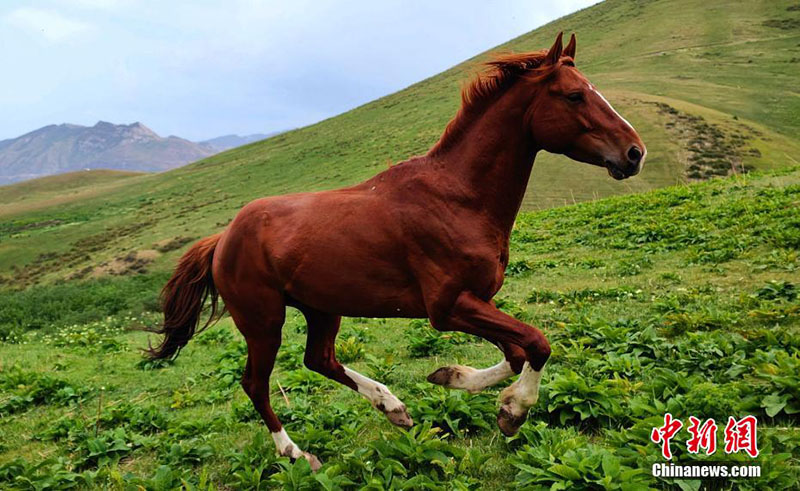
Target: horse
x,y
426,238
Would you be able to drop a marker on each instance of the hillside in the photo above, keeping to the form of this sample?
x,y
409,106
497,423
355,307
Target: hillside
x,y
226,142
56,149
710,85
40,189
683,299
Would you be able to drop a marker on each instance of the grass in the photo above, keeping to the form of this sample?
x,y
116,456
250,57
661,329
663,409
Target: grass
x,y
710,85
682,300
44,188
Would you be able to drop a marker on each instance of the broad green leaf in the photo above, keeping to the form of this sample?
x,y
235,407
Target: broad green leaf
x,y
565,471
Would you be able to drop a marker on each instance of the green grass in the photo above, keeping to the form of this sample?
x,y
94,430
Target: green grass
x,y
734,64
683,300
44,188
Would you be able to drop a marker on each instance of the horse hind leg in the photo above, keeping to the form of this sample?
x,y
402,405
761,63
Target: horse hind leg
x,y
474,380
261,326
321,357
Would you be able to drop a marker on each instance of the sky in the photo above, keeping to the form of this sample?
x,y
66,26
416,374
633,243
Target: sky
x,y
200,69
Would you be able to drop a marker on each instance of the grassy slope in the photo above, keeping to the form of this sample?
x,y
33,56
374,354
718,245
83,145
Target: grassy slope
x,y
712,59
673,294
44,187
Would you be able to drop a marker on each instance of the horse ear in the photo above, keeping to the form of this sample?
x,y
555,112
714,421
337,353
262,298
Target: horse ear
x,y
555,51
570,49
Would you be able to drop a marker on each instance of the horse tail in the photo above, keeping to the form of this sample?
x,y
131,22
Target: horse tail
x,y
183,298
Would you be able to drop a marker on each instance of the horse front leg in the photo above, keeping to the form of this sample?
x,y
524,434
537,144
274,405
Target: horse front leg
x,y
472,315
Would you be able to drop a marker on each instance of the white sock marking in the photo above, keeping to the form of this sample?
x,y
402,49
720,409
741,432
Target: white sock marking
x,y
376,393
475,380
523,393
529,384
286,447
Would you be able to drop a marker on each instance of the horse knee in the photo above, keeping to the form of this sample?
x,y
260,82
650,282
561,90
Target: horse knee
x,y
537,348
246,384
515,356
320,364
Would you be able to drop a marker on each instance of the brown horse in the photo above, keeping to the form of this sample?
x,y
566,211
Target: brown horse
x,y
425,238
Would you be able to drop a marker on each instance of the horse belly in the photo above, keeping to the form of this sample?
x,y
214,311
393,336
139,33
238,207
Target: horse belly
x,y
331,286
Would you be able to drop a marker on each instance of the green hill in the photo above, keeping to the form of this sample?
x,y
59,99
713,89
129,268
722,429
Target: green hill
x,y
42,191
680,300
710,85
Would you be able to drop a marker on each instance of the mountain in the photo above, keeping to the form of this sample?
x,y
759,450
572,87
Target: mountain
x,y
222,143
711,86
62,148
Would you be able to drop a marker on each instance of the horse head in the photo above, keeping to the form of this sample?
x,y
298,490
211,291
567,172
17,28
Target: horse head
x,y
569,116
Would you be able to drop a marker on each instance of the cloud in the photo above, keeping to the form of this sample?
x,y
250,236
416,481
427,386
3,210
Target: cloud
x,y
200,68
53,26
97,4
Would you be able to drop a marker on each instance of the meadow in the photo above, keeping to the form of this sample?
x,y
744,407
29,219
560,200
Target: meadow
x,y
710,85
681,300
676,291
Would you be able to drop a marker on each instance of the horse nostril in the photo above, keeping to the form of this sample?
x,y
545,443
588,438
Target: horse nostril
x,y
634,155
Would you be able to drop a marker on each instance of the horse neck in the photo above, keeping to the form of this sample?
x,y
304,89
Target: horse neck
x,y
492,156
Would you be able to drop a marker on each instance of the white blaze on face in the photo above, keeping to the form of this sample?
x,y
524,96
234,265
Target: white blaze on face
x,y
591,88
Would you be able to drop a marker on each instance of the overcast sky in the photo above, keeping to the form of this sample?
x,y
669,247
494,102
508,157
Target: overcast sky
x,y
200,69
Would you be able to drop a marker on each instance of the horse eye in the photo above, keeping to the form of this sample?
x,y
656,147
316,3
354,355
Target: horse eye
x,y
575,97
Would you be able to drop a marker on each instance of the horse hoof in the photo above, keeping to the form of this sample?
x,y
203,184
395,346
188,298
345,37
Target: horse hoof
x,y
509,423
443,376
399,417
313,461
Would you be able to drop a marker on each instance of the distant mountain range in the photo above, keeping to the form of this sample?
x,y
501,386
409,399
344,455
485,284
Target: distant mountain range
x,y
222,143
55,149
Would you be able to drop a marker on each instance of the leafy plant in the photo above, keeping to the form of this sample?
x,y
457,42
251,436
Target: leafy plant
x,y
215,336
563,460
575,398
189,452
106,448
417,451
23,390
349,349
424,340
455,412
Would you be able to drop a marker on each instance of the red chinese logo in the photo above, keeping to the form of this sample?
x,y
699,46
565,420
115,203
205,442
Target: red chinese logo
x,y
704,437
664,434
741,435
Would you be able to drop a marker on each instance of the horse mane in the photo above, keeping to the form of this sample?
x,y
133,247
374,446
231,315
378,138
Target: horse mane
x,y
502,70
